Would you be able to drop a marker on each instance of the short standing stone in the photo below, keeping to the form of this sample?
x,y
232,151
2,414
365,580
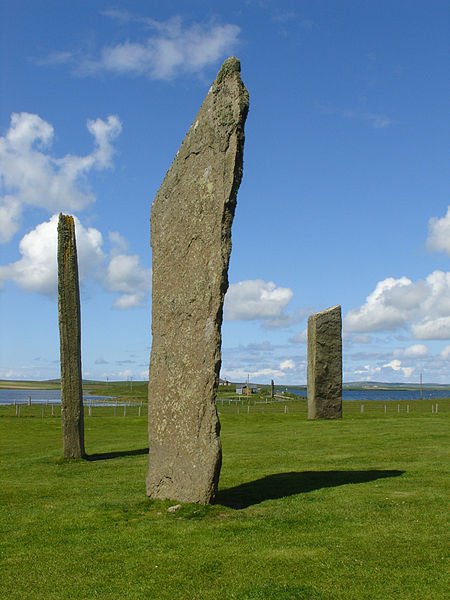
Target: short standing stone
x,y
325,364
191,243
70,340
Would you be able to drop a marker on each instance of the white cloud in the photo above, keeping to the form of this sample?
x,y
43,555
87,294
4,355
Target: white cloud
x,y
439,233
383,308
36,270
118,242
31,176
10,213
445,352
393,371
423,305
287,364
432,329
396,365
416,351
125,274
255,299
173,49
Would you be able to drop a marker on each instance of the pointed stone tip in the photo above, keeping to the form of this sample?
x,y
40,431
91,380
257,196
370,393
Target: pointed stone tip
x,y
230,65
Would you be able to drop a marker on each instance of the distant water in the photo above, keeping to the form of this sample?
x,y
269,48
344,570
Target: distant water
x,y
44,397
387,394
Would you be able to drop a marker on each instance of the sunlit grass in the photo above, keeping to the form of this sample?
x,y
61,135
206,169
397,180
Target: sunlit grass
x,y
351,509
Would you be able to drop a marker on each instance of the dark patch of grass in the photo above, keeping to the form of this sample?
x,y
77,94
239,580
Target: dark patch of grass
x,y
281,485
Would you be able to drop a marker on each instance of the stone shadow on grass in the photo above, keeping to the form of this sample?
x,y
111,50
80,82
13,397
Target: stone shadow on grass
x,y
119,454
280,485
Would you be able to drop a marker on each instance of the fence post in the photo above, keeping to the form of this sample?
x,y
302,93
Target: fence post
x,y
362,408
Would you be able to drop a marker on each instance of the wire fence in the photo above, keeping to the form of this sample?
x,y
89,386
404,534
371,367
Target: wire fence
x,y
242,407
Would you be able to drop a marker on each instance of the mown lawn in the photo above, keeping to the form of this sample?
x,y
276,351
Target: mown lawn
x,y
354,509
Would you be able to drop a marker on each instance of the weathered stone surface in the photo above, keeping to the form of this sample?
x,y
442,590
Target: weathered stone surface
x,y
191,243
325,364
70,340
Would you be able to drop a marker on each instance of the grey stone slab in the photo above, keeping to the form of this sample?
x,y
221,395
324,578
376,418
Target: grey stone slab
x,y
70,340
191,222
325,364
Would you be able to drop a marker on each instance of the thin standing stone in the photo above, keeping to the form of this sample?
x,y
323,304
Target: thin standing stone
x,y
191,244
70,340
325,364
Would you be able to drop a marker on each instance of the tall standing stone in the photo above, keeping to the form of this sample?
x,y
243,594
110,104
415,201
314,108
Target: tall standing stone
x,y
325,364
70,340
191,243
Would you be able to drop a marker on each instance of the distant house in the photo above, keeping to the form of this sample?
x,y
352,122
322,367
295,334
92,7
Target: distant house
x,y
246,390
224,382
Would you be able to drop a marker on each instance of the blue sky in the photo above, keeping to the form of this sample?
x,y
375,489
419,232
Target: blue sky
x,y
344,198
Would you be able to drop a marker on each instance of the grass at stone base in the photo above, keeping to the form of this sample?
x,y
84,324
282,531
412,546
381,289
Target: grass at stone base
x,y
351,509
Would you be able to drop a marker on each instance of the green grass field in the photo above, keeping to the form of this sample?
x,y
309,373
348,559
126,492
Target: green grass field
x,y
351,509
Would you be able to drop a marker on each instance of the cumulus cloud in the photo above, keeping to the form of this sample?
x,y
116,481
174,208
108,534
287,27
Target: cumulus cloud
x,y
287,364
396,365
125,274
255,299
432,329
439,233
36,270
385,307
416,351
30,175
266,373
423,305
445,352
172,49
393,370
